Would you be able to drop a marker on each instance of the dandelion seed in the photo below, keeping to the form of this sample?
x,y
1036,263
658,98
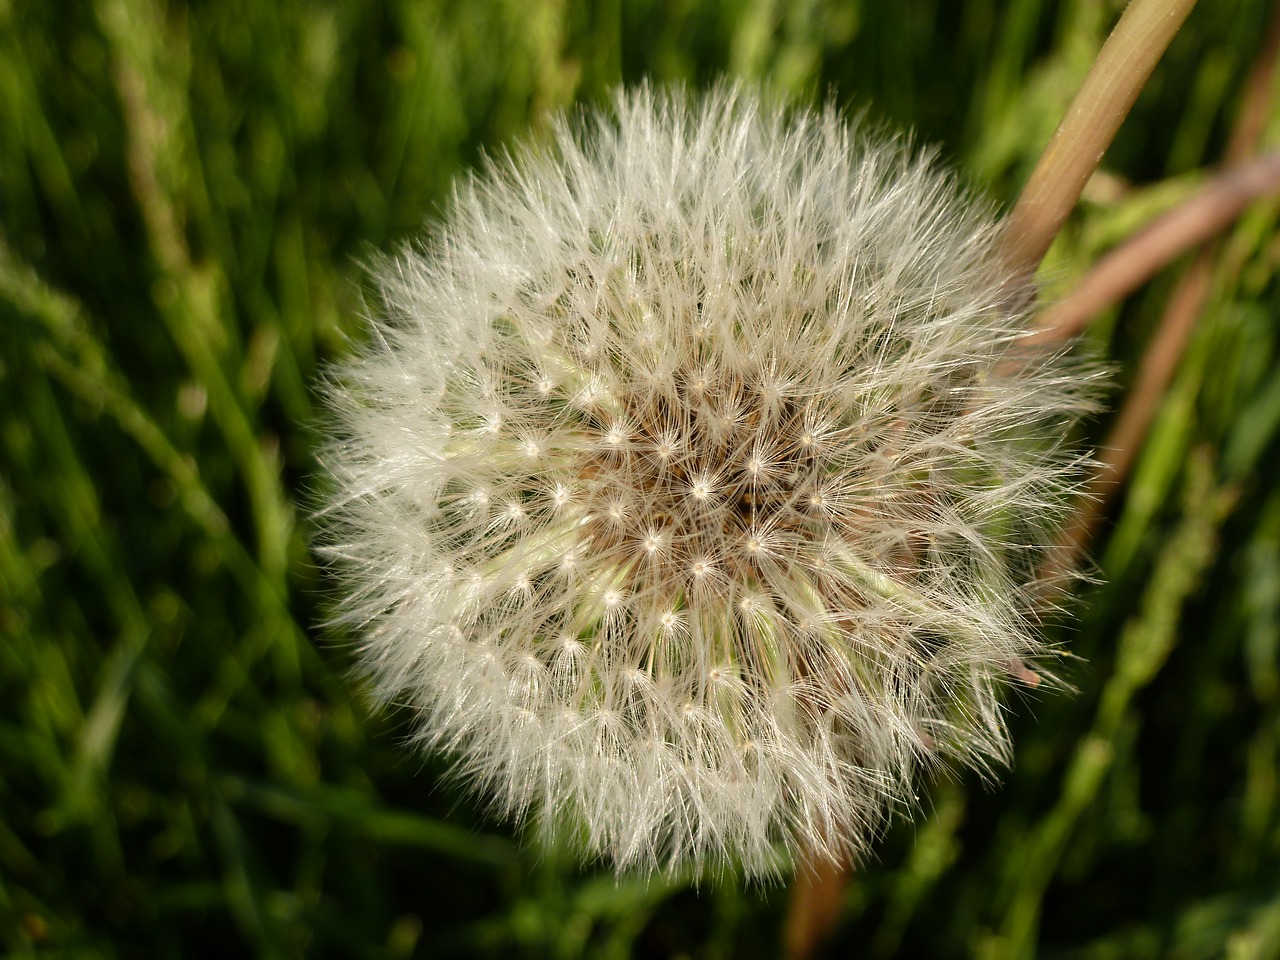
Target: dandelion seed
x,y
702,486
561,495
741,461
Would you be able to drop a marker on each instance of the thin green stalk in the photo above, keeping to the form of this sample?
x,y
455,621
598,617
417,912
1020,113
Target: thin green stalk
x,y
1144,646
190,296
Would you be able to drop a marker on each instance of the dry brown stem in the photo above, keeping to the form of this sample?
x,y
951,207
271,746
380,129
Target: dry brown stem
x,y
815,907
1165,350
1113,84
1137,260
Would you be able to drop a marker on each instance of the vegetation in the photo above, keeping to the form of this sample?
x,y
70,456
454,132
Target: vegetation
x,y
188,193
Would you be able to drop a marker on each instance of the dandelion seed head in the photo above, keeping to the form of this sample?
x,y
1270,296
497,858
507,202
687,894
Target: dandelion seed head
x,y
723,418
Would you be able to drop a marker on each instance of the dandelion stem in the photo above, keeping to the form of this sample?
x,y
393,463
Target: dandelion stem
x,y
820,888
1116,78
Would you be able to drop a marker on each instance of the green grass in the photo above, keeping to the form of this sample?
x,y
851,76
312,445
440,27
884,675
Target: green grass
x,y
187,768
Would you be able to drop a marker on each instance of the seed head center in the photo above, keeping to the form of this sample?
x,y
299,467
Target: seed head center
x,y
708,477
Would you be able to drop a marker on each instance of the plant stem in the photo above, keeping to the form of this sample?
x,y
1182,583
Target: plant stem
x,y
1113,84
815,907
1161,357
1201,217
1114,81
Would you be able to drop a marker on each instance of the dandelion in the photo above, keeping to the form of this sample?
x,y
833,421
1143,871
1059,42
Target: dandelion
x,y
692,490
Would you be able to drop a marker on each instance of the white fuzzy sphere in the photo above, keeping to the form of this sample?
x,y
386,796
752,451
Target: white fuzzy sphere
x,y
692,488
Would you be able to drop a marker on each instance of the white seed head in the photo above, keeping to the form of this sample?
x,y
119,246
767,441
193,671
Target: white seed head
x,y
724,419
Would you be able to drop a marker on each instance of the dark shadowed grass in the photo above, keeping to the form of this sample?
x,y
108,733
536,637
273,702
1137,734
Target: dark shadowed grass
x,y
186,766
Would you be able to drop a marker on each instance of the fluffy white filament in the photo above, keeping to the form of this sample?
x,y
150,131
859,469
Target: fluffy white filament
x,y
692,488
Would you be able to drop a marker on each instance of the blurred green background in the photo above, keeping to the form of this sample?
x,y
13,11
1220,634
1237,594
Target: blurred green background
x,y
187,194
